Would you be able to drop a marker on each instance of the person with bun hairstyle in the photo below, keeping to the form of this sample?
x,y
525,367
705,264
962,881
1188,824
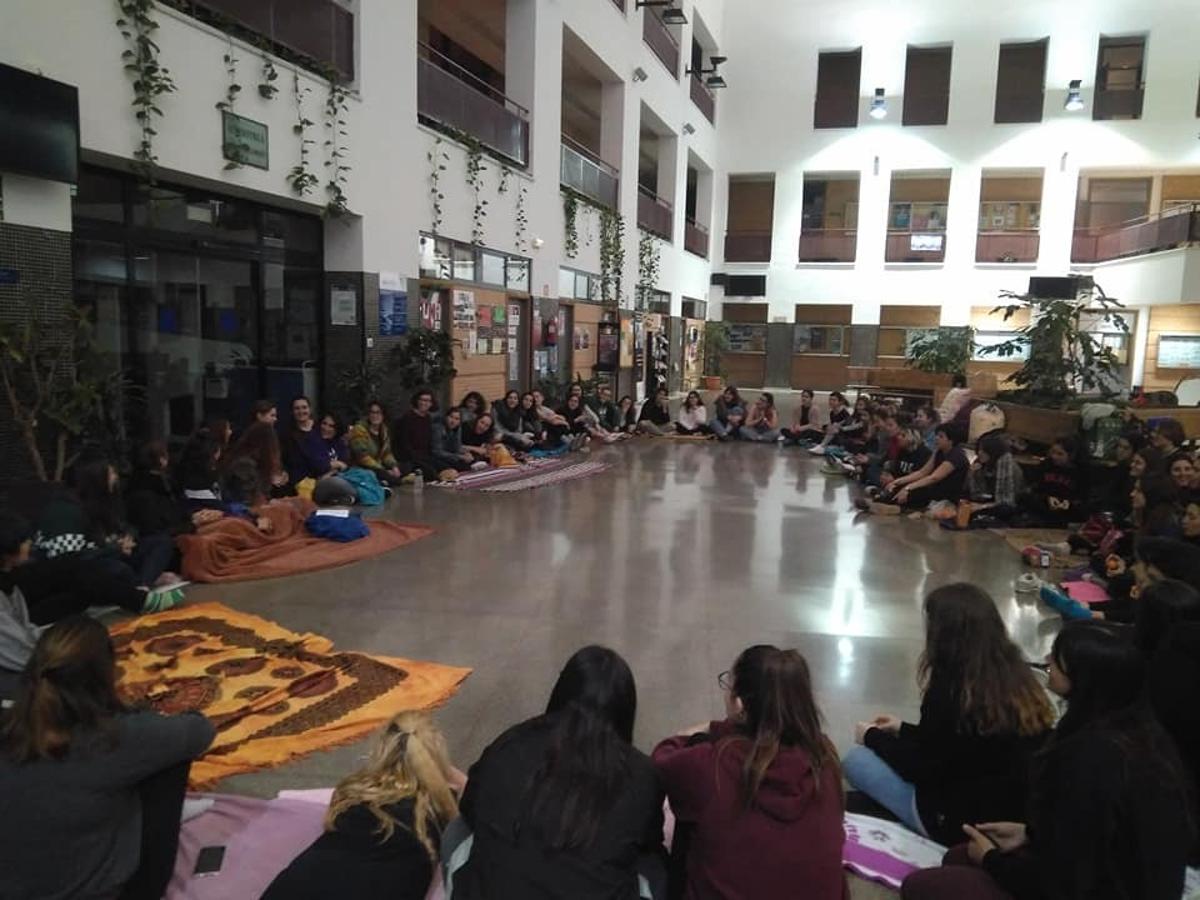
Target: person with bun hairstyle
x,y
383,829
983,715
759,793
92,789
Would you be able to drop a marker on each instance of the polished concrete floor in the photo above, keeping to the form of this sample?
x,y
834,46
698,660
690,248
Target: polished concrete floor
x,y
679,556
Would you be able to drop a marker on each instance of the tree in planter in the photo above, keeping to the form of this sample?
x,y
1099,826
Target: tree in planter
x,y
1064,359
61,391
716,342
425,358
945,350
359,385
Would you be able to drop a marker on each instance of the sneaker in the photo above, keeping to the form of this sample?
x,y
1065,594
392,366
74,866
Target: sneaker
x,y
409,478
817,451
871,491
885,509
162,599
829,469
477,465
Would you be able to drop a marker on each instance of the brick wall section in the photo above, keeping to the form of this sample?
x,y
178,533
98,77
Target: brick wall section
x,y
42,259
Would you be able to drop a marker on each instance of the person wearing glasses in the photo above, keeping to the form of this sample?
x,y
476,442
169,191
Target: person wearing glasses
x,y
757,797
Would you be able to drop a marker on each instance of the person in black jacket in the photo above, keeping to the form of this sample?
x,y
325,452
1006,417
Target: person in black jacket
x,y
1055,488
152,504
1109,815
384,824
983,715
563,805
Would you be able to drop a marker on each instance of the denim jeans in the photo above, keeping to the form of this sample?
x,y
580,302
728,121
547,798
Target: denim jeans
x,y
759,437
865,771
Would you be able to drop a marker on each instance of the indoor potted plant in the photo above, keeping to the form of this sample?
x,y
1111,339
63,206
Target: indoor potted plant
x,y
716,342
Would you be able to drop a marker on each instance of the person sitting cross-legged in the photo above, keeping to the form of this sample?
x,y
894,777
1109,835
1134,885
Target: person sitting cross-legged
x,y
448,450
762,424
655,417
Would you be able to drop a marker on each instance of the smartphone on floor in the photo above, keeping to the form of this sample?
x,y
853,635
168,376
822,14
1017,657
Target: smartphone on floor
x,y
209,861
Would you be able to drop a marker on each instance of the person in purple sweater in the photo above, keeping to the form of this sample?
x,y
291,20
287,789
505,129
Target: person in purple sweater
x,y
311,450
757,797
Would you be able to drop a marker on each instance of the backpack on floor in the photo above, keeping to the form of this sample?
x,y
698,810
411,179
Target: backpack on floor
x,y
366,486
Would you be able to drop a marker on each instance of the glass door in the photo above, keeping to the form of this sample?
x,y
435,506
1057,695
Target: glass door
x,y
193,324
291,334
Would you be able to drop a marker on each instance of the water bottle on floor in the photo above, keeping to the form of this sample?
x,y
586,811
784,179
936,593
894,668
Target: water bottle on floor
x,y
419,481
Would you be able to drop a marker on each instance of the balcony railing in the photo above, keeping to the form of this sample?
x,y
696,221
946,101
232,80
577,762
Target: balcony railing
x,y
580,170
1007,246
320,30
449,95
828,245
916,246
704,99
1148,234
659,38
695,238
655,214
747,246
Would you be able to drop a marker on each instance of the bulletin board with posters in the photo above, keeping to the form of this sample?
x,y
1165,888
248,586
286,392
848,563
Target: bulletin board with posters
x,y
479,326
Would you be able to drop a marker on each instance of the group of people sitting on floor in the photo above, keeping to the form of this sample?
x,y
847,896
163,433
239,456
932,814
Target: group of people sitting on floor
x,y
1095,803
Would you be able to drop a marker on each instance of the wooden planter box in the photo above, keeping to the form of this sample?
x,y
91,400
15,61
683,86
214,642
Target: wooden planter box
x,y
1042,426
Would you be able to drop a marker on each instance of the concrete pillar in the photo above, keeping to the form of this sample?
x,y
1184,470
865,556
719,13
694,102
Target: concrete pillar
x,y
962,216
1059,191
1156,192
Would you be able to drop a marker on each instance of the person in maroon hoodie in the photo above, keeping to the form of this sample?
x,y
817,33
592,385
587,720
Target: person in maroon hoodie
x,y
414,436
758,797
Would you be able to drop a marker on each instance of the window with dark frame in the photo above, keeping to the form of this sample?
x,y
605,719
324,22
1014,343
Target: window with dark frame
x,y
927,86
839,75
1021,82
1120,66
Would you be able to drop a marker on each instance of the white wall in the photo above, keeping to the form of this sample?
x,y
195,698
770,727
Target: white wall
x,y
767,127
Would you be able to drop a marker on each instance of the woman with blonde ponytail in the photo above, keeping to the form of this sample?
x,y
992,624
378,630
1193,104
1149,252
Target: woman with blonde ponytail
x,y
92,790
384,825
757,797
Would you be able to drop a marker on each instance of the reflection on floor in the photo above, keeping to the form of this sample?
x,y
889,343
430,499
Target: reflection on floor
x,y
678,557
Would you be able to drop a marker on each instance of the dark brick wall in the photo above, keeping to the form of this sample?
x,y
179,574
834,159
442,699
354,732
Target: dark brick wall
x,y
42,260
343,343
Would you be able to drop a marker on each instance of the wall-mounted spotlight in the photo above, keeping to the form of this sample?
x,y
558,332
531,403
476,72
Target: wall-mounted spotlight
x,y
671,14
639,74
878,105
689,128
1074,96
713,79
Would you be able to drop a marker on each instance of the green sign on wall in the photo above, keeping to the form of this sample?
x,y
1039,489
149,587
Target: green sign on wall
x,y
244,141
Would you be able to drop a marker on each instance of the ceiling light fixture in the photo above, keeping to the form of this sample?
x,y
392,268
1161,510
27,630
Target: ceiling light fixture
x,y
715,81
671,14
1074,97
878,105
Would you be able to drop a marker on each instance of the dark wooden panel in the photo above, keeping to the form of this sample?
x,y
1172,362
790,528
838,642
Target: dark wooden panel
x,y
927,86
838,83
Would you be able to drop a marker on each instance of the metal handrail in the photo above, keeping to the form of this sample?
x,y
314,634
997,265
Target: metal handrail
x,y
590,156
471,80
646,192
1139,220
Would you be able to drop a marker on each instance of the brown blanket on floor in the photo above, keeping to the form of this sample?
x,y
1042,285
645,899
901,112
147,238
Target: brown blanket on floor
x,y
233,549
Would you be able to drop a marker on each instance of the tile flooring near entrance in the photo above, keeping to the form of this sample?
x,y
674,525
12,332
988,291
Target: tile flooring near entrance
x,y
679,556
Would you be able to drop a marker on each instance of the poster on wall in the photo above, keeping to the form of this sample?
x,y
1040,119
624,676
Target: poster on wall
x,y
608,351
343,306
626,343
393,304
463,316
514,358
431,310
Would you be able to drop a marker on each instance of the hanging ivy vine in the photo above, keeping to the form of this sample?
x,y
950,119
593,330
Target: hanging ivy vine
x,y
649,259
267,89
505,175
235,152
521,231
301,177
150,79
437,165
336,108
571,226
475,170
612,255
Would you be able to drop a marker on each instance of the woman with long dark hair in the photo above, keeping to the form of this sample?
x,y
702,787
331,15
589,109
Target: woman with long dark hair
x,y
805,426
1155,503
1108,816
510,422
982,717
260,443
563,805
92,790
758,795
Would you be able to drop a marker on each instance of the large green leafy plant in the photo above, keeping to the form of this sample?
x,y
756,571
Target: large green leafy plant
x,y
945,350
716,342
425,358
1066,358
